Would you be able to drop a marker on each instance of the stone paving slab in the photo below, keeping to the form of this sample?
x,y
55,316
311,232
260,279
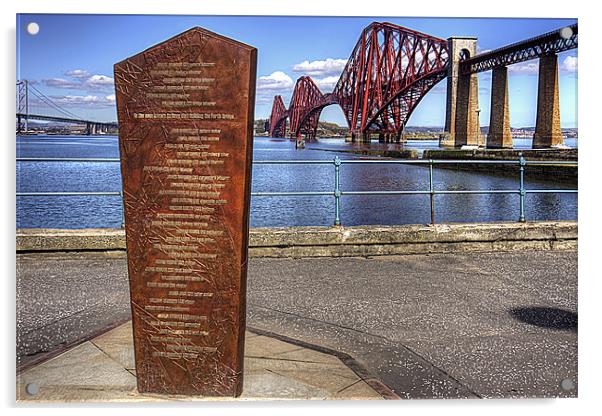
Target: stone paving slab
x,y
103,369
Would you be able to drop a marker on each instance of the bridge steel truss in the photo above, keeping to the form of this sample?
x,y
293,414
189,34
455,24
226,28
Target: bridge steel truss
x,y
277,125
389,71
547,44
305,108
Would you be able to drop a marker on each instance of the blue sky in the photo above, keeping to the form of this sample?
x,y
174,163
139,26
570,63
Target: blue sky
x,y
71,58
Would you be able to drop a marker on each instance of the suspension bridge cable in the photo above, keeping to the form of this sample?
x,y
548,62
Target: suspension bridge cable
x,y
51,103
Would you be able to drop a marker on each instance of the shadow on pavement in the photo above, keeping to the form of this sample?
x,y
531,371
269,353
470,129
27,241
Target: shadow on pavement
x,y
552,318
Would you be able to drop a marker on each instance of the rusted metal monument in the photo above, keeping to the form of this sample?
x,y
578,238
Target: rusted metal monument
x,y
185,111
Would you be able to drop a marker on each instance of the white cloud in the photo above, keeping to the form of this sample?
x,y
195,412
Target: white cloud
x,y
327,84
77,73
569,64
80,79
84,101
277,81
60,83
322,68
98,81
265,99
525,68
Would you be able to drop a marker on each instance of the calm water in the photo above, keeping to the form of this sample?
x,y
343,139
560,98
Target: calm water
x,y
105,211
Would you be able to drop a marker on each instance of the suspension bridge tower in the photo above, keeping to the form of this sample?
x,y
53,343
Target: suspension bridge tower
x,y
22,106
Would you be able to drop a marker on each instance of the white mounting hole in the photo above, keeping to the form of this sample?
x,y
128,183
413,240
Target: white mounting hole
x,y
567,384
33,28
566,32
32,389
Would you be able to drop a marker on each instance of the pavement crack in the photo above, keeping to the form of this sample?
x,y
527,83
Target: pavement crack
x,y
349,386
285,359
108,356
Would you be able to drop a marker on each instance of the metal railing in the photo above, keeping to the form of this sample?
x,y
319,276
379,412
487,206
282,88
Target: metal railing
x,y
82,193
337,193
431,192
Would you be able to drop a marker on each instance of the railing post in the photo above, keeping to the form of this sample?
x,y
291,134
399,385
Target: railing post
x,y
432,191
337,191
521,190
121,211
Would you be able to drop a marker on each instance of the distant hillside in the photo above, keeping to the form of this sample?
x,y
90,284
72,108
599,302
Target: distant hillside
x,y
325,129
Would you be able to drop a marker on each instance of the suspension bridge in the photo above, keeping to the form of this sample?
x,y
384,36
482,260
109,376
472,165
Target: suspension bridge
x,y
392,68
32,104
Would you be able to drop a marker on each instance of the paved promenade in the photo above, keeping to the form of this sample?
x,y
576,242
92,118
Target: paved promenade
x,y
439,325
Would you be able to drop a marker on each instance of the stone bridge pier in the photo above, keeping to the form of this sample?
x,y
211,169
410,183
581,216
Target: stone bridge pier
x,y
547,126
462,109
500,136
96,128
91,128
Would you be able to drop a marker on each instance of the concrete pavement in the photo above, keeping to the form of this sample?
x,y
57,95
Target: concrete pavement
x,y
440,325
62,298
466,325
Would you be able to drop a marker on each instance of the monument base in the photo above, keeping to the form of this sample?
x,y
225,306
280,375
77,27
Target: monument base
x,y
306,375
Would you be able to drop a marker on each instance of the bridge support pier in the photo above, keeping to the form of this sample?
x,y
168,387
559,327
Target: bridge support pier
x,y
547,127
500,136
467,112
387,138
91,129
22,126
461,115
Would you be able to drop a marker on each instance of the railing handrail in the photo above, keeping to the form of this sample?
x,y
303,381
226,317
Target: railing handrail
x,y
67,159
521,162
330,162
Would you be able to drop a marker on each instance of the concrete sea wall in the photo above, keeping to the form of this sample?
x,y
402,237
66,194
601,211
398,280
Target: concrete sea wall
x,y
342,241
559,173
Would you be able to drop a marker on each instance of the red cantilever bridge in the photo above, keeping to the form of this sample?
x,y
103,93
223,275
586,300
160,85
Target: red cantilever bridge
x,y
392,68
